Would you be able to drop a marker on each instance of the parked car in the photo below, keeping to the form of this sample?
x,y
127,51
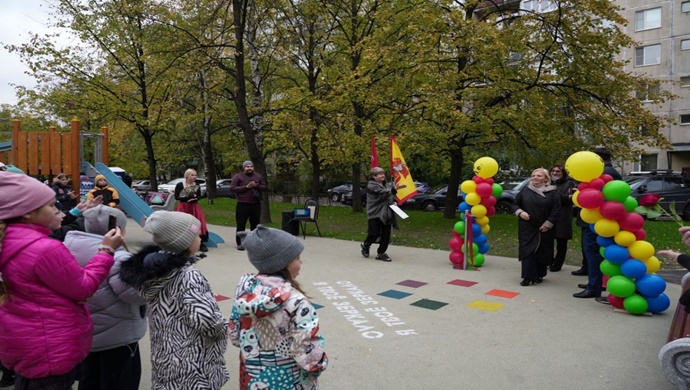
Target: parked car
x,y
347,198
337,193
671,186
422,187
504,202
142,185
170,186
223,189
431,200
510,184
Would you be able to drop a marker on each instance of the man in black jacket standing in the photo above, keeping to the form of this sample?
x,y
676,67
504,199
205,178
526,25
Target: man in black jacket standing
x,y
249,187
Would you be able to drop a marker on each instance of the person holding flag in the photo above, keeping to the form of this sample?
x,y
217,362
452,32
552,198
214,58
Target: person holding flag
x,y
381,218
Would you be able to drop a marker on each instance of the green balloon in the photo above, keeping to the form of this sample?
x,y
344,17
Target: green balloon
x,y
621,286
479,259
475,249
496,190
635,304
616,190
460,227
630,204
610,269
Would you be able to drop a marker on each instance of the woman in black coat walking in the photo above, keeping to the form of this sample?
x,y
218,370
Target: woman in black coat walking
x,y
538,207
564,227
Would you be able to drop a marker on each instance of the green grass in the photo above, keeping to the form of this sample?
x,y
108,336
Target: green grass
x,y
430,230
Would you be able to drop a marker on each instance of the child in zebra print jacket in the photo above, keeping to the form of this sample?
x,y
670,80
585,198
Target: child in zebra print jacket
x,y
272,321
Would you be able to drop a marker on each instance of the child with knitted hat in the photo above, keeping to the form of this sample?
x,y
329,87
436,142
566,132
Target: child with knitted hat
x,y
45,327
110,195
272,321
187,329
117,310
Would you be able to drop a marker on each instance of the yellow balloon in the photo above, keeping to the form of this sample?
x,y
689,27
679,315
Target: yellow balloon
x,y
483,220
641,250
624,238
479,210
468,186
590,215
485,167
473,198
653,264
606,227
574,199
584,166
486,229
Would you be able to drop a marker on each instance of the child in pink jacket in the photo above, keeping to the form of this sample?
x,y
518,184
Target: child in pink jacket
x,y
45,327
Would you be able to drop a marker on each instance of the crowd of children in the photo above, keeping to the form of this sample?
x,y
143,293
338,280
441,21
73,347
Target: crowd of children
x,y
76,310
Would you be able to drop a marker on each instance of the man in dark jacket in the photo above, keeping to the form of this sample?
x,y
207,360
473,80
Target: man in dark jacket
x,y
589,242
249,187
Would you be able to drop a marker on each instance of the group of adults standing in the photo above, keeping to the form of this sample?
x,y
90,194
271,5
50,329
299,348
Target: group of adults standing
x,y
545,211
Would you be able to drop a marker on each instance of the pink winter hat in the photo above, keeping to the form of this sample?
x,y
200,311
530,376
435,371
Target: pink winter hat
x,y
21,194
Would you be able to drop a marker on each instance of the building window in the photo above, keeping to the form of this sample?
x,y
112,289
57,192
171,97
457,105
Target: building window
x,y
648,55
685,81
644,93
650,18
685,44
648,163
685,119
685,6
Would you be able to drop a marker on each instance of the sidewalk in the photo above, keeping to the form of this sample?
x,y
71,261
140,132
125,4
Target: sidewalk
x,y
483,331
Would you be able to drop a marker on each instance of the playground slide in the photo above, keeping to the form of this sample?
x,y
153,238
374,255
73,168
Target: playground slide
x,y
135,207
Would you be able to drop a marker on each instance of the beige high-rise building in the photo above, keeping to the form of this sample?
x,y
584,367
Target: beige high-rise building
x,y
661,29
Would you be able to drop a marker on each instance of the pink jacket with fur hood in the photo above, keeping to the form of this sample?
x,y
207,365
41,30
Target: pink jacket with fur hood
x,y
45,326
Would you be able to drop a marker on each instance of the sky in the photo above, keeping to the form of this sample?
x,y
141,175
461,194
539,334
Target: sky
x,y
18,18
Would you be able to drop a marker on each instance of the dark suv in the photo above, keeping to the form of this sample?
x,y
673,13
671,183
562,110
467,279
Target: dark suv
x,y
671,186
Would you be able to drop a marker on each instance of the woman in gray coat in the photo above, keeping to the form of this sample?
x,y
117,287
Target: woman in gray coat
x,y
380,216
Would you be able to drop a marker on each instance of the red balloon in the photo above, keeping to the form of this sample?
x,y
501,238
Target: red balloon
x,y
456,234
490,211
456,243
640,234
456,258
590,198
606,178
630,222
597,184
484,189
489,201
478,179
583,186
612,210
615,301
489,180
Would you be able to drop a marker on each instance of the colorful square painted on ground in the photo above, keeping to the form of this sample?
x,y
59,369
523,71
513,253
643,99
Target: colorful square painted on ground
x,y
462,283
220,297
412,283
395,294
503,293
316,306
429,304
486,305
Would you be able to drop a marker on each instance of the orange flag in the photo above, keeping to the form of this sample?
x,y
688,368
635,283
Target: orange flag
x,y
401,175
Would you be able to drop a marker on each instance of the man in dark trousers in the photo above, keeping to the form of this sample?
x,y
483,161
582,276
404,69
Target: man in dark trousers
x,y
249,187
590,245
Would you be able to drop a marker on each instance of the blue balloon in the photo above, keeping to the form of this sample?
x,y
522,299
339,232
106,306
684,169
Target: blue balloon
x,y
591,227
633,268
481,239
616,254
650,285
484,248
605,241
462,207
476,230
658,304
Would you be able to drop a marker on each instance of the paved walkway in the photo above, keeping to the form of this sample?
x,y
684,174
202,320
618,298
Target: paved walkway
x,y
440,328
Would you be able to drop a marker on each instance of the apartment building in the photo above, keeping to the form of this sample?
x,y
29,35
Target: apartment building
x,y
661,29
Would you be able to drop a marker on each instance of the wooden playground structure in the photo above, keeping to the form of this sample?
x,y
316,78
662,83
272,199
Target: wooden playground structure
x,y
53,152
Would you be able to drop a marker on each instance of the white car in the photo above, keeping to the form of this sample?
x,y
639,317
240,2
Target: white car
x,y
170,186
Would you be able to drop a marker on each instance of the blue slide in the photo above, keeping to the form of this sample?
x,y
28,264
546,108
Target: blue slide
x,y
135,207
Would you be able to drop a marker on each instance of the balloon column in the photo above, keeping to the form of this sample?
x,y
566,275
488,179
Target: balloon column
x,y
469,242
629,260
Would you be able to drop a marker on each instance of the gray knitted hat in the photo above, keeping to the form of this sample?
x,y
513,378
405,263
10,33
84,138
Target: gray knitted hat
x,y
96,219
173,231
270,250
244,164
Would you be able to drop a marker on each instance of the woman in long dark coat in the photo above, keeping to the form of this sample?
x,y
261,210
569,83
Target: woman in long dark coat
x,y
564,227
538,207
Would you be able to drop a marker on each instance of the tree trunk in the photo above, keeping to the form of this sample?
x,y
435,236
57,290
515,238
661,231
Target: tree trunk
x,y
457,160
